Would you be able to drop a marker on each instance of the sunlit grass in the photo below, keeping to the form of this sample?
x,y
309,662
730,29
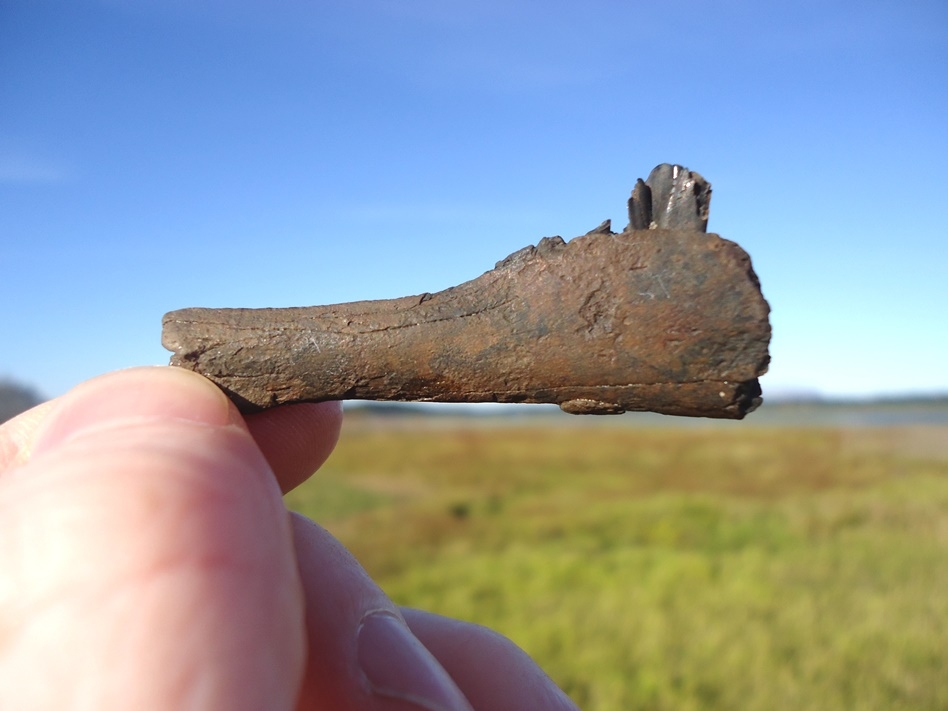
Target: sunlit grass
x,y
666,569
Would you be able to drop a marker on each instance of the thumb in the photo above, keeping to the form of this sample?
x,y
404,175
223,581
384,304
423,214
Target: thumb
x,y
146,557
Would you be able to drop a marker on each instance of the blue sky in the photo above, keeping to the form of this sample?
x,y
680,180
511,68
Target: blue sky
x,y
156,155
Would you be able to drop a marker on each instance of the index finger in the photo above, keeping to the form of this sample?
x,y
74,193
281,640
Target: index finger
x,y
295,439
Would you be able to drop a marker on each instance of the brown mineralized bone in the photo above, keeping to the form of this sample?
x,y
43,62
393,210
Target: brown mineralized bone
x,y
666,320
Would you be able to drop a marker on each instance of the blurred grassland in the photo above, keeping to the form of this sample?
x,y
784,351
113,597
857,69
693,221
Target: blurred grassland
x,y
680,568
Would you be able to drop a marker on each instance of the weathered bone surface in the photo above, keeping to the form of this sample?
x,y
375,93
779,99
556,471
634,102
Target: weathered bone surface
x,y
669,320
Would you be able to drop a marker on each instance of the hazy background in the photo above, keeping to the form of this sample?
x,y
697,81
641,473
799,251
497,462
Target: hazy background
x,y
156,155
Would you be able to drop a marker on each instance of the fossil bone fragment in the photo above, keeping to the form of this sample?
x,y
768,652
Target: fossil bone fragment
x,y
660,317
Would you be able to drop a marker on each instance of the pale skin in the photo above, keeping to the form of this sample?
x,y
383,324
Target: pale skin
x,y
147,562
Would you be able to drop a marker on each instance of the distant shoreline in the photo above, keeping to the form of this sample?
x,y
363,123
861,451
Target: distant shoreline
x,y
817,412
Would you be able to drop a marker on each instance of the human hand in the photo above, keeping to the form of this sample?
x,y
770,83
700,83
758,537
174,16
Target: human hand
x,y
147,562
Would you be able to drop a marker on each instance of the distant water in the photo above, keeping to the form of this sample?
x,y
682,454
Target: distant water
x,y
870,414
821,414
770,414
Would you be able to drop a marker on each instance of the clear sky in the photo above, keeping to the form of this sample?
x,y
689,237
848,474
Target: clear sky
x,y
158,154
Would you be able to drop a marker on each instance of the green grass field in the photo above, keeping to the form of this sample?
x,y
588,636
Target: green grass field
x,y
681,568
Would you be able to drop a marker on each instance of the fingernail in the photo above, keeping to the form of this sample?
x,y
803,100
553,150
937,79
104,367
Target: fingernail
x,y
398,666
158,392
